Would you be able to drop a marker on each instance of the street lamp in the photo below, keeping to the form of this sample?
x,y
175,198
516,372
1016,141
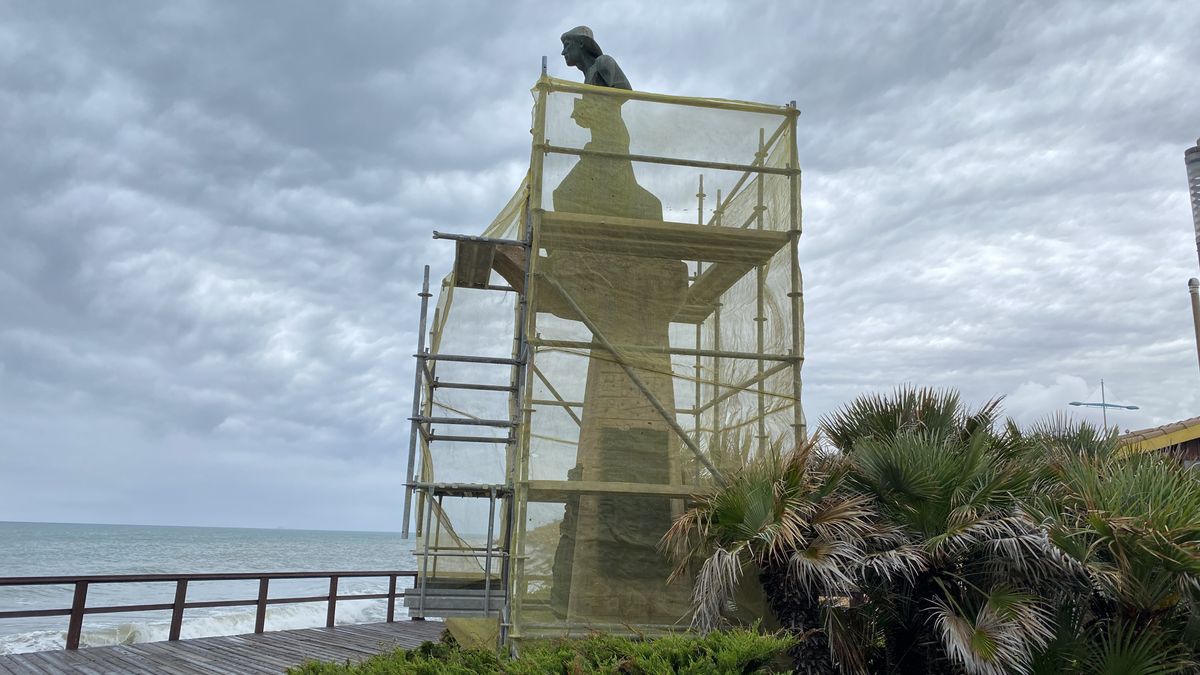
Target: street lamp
x,y
1104,405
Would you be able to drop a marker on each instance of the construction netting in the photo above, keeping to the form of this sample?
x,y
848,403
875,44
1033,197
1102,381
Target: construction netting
x,y
658,350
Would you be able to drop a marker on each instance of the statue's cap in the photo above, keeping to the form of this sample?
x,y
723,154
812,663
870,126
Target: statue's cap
x,y
584,35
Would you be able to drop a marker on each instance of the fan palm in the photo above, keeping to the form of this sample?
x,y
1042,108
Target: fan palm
x,y
784,518
950,575
1130,526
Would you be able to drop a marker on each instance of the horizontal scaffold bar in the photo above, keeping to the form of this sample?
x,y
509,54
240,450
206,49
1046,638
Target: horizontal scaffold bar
x,y
433,553
457,358
467,385
481,240
462,489
468,439
675,351
654,159
557,490
564,404
554,84
735,389
464,421
567,405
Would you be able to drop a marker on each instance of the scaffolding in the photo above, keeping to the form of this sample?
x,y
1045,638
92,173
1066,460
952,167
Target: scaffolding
x,y
657,340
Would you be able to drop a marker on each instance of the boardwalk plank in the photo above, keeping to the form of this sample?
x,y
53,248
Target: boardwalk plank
x,y
271,652
199,658
111,662
30,663
160,657
80,662
368,643
305,650
190,658
346,644
140,660
130,659
15,666
414,636
263,660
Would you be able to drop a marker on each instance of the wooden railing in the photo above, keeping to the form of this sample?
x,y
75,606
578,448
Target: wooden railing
x,y
79,607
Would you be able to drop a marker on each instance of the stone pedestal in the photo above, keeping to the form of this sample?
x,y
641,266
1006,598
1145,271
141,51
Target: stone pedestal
x,y
608,568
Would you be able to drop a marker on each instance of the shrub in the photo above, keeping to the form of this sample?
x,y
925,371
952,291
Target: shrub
x,y
717,653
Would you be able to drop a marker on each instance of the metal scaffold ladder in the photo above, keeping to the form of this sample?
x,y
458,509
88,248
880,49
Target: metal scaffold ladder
x,y
432,595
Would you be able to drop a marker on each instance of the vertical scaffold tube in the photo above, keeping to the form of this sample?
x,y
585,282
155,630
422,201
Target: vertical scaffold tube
x,y
716,408
427,405
533,217
416,406
698,369
760,318
796,293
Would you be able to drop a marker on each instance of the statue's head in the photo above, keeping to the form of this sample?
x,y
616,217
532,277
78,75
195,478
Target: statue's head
x,y
577,42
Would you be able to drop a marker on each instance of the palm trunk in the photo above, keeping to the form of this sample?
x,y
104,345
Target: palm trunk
x,y
799,612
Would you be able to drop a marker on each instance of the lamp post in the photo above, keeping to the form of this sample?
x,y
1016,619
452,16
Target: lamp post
x,y
1103,405
1191,158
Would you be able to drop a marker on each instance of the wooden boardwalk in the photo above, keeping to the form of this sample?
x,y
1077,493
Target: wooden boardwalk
x,y
272,652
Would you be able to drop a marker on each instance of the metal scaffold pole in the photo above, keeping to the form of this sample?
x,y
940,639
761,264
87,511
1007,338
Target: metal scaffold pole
x,y
516,584
760,319
717,440
416,406
796,292
698,372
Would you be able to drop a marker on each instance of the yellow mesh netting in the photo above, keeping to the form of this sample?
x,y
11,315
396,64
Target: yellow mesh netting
x,y
665,335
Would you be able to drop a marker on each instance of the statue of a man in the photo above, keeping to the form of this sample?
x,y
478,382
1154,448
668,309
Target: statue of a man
x,y
581,51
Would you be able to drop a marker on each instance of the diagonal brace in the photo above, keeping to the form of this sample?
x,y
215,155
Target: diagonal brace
x,y
541,376
637,381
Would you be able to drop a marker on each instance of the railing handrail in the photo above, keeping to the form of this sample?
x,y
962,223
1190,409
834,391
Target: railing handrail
x,y
199,576
79,607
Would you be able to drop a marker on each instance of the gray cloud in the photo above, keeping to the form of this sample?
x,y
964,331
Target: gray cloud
x,y
213,219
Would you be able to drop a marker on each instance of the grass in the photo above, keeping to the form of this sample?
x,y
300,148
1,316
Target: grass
x,y
717,653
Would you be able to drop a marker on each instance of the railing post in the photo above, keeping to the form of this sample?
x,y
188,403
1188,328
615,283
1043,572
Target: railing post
x,y
260,611
391,599
75,627
177,610
333,584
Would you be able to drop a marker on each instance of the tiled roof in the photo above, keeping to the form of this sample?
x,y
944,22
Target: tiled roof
x,y
1156,438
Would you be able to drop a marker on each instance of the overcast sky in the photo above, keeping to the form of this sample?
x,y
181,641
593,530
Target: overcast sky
x,y
213,217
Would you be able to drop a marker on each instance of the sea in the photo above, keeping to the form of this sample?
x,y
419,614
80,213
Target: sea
x,y
59,549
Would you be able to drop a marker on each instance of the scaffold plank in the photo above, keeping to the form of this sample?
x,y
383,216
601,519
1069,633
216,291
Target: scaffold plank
x,y
658,239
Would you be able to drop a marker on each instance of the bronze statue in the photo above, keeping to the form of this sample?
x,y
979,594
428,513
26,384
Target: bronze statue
x,y
581,51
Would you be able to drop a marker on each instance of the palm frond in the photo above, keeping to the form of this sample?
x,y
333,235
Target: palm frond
x,y
1135,650
999,638
714,589
903,562
822,567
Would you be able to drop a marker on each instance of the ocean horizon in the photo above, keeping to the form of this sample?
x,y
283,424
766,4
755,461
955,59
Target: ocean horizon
x,y
72,549
204,527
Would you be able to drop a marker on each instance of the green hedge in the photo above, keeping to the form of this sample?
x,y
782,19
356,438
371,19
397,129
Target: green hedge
x,y
737,651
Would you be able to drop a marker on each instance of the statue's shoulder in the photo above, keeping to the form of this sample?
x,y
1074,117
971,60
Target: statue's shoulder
x,y
609,73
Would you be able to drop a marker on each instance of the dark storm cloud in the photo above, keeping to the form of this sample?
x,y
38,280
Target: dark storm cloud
x,y
214,217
